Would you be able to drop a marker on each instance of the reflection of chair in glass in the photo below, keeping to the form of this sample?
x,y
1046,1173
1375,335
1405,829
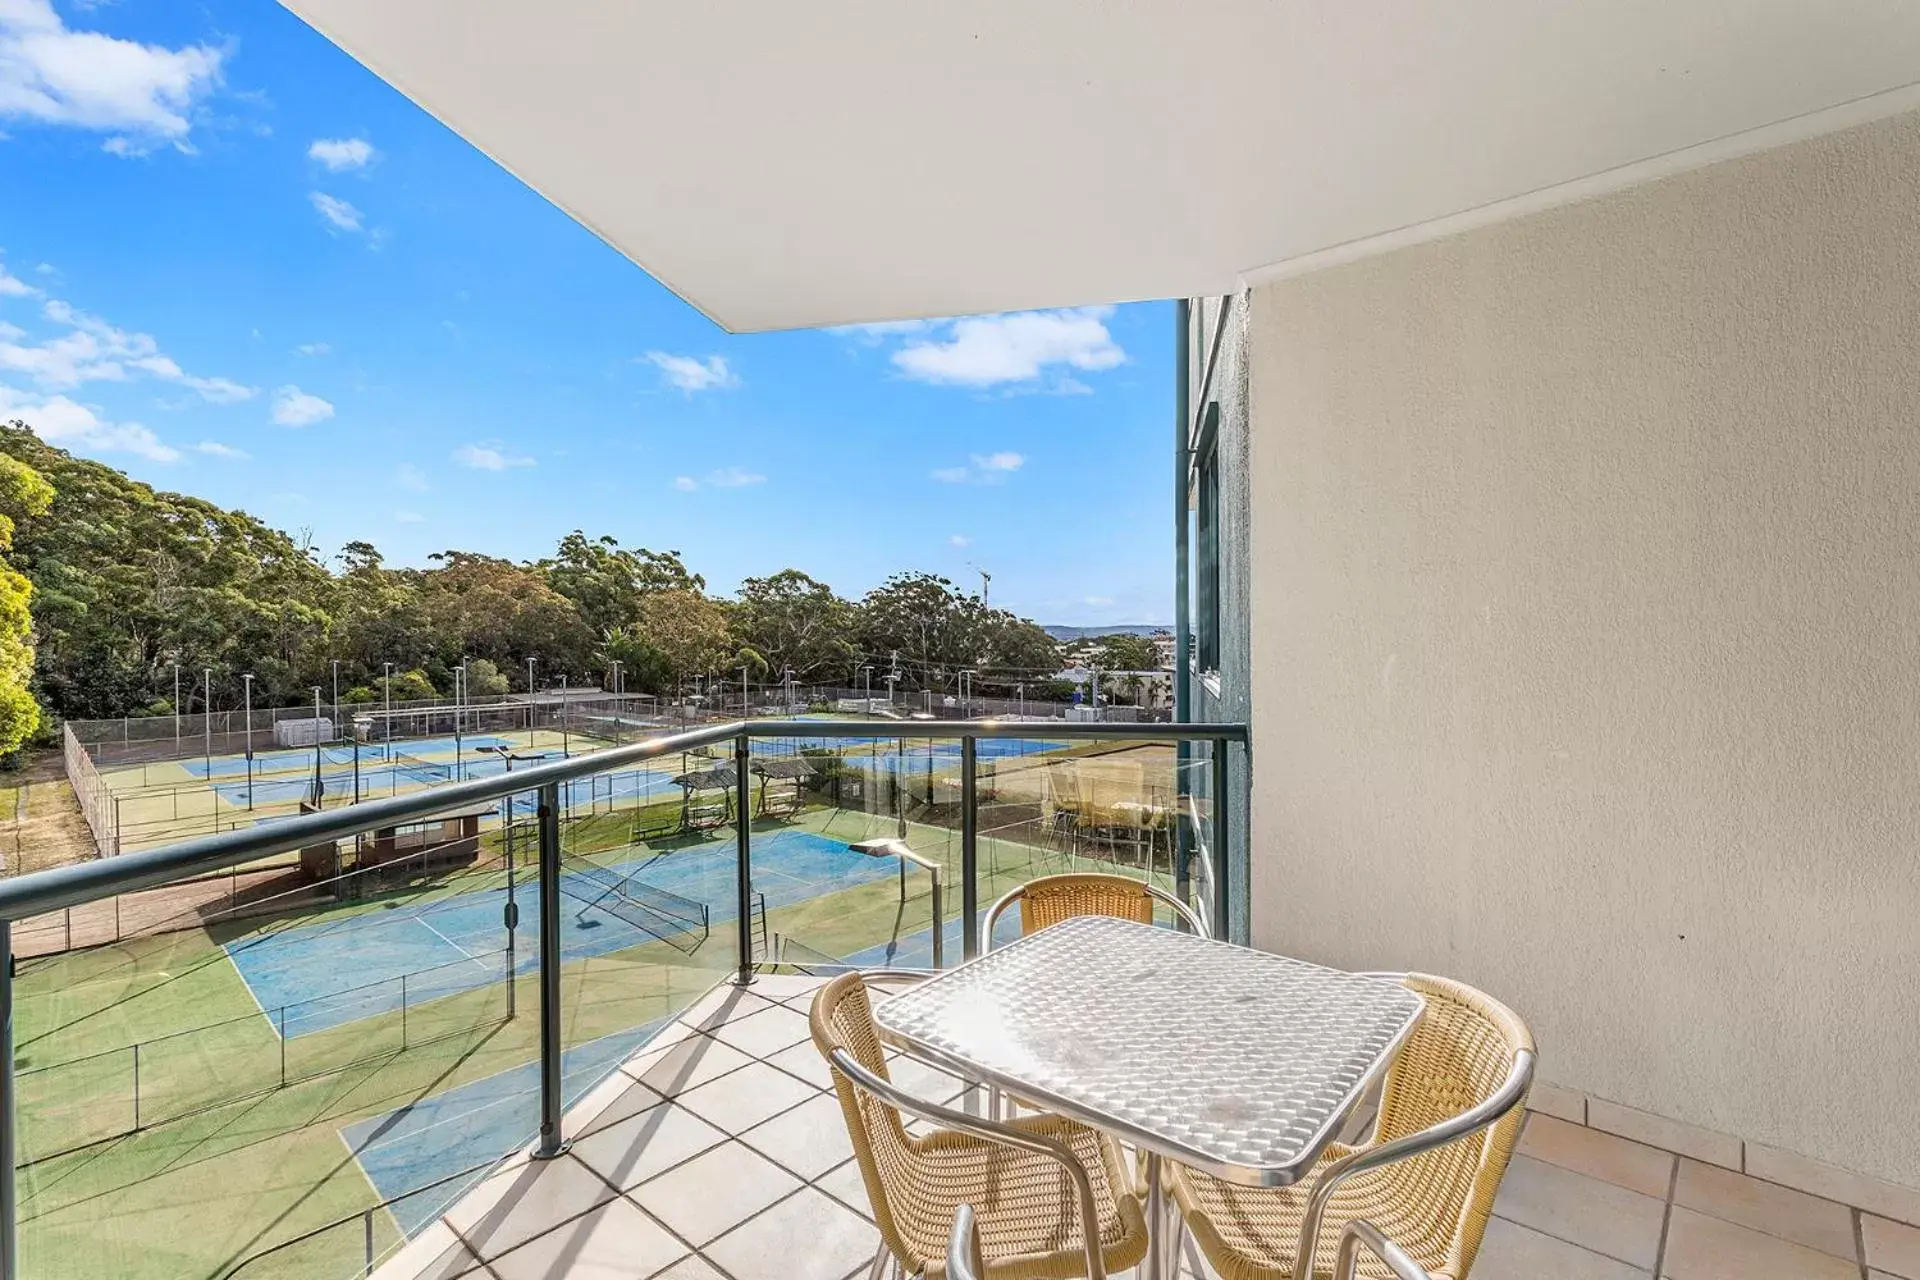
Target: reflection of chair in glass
x,y
1051,899
1061,808
1033,1183
1449,1115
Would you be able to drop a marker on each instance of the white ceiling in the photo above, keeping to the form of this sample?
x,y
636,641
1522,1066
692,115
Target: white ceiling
x,y
783,164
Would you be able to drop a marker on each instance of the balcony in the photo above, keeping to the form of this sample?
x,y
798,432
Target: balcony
x,y
719,1150
358,1068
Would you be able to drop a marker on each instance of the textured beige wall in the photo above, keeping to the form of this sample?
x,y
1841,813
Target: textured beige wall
x,y
1586,635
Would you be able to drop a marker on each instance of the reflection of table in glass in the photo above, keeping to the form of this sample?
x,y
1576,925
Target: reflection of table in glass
x,y
1236,1062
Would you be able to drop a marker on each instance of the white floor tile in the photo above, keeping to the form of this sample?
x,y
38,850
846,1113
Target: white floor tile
x,y
511,1208
714,1192
804,1060
741,1099
687,1065
765,1033
629,1153
808,1236
810,1139
614,1242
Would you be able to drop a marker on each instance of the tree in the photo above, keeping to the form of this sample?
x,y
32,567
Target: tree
x,y
794,621
939,632
606,582
689,629
408,686
483,677
24,493
1123,652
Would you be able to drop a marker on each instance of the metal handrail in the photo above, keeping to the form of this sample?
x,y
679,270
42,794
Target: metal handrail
x,y
70,886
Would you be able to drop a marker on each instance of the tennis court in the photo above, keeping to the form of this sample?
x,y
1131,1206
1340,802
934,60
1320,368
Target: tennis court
x,y
342,970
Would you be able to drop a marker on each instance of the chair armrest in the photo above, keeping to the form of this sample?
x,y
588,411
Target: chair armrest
x,y
993,1131
1470,1121
1359,1234
964,1259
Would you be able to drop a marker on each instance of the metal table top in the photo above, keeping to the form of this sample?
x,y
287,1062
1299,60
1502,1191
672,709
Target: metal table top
x,y
1238,1062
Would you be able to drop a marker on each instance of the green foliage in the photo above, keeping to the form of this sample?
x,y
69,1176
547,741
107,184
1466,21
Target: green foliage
x,y
483,677
24,493
409,686
1127,653
938,632
118,586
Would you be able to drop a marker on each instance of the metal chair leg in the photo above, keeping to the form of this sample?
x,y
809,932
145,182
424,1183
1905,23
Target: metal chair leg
x,y
881,1257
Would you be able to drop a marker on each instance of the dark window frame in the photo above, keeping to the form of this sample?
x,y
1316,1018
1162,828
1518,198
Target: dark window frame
x,y
1206,512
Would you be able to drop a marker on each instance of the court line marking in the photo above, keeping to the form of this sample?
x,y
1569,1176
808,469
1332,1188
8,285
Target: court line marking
x,y
422,922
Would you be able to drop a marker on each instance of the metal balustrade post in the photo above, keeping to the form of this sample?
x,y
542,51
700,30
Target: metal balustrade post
x,y
283,1046
1222,878
969,847
550,1144
743,839
9,1114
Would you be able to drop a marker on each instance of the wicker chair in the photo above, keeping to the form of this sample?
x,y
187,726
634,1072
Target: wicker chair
x,y
1031,1183
1450,1113
1051,899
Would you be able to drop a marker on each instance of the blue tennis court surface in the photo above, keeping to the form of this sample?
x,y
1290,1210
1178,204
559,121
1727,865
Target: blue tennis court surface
x,y
437,1137
337,971
371,753
378,776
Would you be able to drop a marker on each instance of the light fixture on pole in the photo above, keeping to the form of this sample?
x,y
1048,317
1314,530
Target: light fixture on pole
x,y
896,847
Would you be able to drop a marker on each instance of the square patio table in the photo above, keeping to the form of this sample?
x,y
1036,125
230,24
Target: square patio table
x,y
1238,1062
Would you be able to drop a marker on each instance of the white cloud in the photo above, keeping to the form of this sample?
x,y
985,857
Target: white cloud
x,y
412,478
214,449
92,350
720,478
340,215
12,286
985,351
293,407
959,540
692,373
985,468
46,269
144,94
59,420
486,457
313,349
339,154
409,517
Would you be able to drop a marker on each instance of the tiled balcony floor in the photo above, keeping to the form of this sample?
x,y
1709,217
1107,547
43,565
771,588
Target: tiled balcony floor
x,y
720,1152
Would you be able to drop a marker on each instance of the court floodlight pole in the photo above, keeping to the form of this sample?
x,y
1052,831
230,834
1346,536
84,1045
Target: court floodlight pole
x,y
336,694
206,717
565,750
176,709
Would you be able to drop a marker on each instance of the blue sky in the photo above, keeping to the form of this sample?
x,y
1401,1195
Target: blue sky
x,y
236,264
